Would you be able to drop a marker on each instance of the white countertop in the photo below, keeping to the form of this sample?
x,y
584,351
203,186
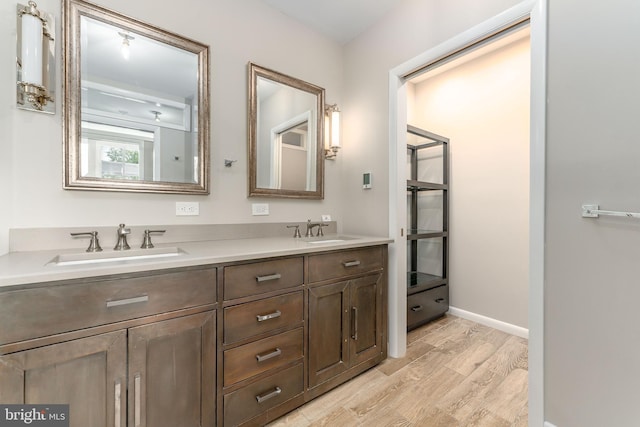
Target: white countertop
x,y
24,268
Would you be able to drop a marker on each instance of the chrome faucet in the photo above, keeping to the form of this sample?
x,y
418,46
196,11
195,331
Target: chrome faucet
x,y
310,226
122,238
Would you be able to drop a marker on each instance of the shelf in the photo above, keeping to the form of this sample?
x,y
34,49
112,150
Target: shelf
x,y
425,234
418,282
427,294
415,185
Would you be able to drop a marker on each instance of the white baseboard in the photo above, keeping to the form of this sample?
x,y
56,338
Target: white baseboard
x,y
493,323
548,424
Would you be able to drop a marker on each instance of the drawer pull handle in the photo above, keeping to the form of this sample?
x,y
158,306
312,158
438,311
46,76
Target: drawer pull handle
x,y
136,400
262,357
354,322
351,263
127,301
117,396
416,309
263,317
268,277
269,395
439,300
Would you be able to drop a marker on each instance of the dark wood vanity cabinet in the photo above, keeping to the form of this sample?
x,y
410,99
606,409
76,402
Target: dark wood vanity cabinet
x,y
171,372
235,344
89,374
345,319
262,348
295,327
145,366
346,315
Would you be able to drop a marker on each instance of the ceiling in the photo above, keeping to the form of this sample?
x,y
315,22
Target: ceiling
x,y
340,20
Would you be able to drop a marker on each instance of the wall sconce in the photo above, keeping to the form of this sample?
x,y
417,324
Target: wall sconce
x,y
332,131
35,59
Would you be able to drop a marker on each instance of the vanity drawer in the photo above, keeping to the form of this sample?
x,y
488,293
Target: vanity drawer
x,y
260,277
251,359
254,318
344,263
258,397
43,311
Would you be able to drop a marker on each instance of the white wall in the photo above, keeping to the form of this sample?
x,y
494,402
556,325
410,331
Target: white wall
x,y
237,32
482,106
592,321
413,28
7,84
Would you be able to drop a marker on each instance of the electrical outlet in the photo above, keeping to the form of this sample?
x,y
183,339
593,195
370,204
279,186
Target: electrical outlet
x,y
326,218
260,209
187,208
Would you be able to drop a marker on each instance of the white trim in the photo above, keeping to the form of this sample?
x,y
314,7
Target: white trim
x,y
488,321
548,424
536,10
537,167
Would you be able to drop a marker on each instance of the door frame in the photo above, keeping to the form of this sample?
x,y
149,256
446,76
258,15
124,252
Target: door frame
x,y
536,12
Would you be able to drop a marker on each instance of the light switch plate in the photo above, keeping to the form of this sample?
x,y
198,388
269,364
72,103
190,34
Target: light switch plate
x,y
260,209
187,208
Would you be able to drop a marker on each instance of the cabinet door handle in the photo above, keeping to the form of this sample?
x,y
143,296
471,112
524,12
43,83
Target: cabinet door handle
x,y
262,357
116,397
268,277
127,301
416,309
351,263
268,395
136,400
354,322
263,317
439,300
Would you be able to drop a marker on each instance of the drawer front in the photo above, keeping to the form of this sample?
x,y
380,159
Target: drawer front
x,y
260,277
252,400
344,263
39,312
427,305
254,318
251,359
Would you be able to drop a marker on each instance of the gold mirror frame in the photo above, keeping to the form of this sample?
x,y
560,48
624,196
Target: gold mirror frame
x,y
255,72
73,11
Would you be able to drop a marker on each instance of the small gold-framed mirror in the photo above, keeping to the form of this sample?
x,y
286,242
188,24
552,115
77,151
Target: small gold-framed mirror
x,y
136,105
286,126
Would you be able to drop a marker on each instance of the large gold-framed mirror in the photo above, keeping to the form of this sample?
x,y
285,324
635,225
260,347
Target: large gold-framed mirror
x,y
286,125
136,105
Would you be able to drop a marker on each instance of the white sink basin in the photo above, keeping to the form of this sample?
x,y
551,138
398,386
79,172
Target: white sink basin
x,y
328,239
113,256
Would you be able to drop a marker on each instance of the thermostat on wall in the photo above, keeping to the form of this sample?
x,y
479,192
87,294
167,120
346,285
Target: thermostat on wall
x,y
366,180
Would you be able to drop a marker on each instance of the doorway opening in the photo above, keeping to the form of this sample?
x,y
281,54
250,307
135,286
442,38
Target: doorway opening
x,y
532,13
480,101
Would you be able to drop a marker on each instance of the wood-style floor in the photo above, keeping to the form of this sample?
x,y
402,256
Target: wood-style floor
x,y
455,373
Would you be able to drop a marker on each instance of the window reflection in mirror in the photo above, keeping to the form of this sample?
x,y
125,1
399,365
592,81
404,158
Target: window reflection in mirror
x,y
285,135
138,105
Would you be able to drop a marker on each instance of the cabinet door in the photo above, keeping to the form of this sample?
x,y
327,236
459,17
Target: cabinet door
x,y
328,331
172,373
88,374
366,318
